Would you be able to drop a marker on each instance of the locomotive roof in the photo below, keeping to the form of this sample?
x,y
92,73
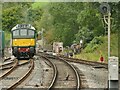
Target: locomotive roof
x,y
19,26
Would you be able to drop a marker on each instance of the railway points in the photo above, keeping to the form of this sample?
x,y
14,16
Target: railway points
x,y
17,76
43,71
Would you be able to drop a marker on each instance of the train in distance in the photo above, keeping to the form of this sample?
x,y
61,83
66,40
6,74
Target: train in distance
x,y
23,41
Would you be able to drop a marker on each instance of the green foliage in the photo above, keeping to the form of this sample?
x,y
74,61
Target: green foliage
x,y
97,40
66,22
93,51
17,13
90,23
39,5
10,18
94,44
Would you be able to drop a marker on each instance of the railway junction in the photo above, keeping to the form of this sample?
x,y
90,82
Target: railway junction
x,y
46,71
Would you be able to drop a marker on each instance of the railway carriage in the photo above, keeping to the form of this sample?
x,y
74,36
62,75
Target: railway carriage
x,y
2,42
23,41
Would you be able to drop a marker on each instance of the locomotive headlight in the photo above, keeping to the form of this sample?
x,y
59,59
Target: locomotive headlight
x,y
18,48
27,49
15,39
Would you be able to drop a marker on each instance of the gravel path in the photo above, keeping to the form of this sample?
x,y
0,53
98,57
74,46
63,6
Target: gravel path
x,y
92,77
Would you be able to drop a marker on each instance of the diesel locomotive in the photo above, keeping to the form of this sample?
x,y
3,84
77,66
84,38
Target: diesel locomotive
x,y
23,41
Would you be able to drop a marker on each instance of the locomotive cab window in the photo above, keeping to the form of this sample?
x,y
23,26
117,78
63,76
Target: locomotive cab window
x,y
15,33
31,33
23,32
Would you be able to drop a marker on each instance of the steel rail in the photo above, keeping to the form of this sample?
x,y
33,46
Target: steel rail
x,y
2,65
8,67
10,71
93,63
6,59
24,77
76,73
6,64
73,68
55,72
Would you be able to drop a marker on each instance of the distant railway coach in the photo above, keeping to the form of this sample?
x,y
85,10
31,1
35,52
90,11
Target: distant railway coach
x,y
23,41
2,42
58,47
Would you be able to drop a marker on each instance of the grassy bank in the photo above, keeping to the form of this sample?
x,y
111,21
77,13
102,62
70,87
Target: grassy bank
x,y
93,51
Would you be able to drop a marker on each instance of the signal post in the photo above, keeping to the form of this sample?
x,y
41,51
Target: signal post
x,y
113,75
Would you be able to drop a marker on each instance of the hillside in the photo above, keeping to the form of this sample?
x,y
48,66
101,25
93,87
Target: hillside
x,y
95,49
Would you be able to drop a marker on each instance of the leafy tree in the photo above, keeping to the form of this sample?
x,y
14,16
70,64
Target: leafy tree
x,y
66,22
12,14
10,18
90,23
65,16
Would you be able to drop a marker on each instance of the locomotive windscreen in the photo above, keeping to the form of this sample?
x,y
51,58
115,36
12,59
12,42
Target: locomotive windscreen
x,y
22,33
15,33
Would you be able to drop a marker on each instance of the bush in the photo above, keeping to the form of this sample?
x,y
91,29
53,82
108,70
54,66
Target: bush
x,y
97,40
94,44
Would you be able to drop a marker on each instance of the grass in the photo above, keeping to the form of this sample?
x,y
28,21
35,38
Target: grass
x,y
101,50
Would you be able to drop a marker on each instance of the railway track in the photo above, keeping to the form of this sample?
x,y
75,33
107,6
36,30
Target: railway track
x,y
9,71
81,61
92,63
55,72
43,75
6,59
67,76
7,65
96,72
22,71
